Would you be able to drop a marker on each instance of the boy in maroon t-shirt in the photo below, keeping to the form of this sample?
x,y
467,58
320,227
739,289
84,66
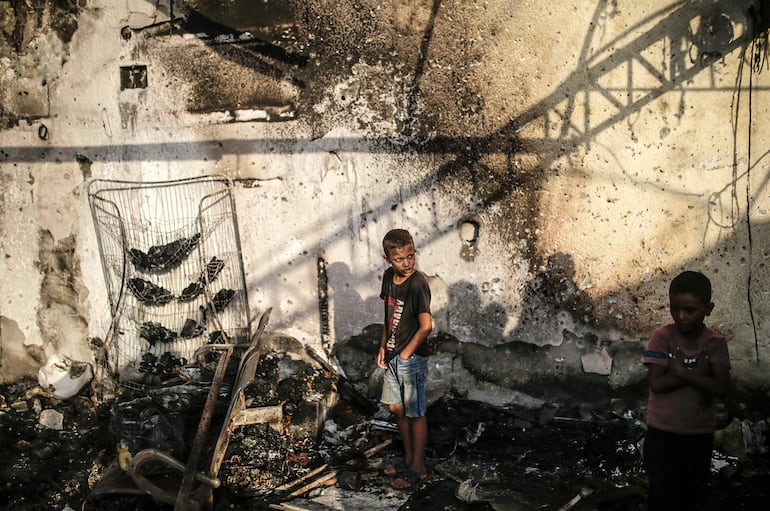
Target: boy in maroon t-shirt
x,y
688,365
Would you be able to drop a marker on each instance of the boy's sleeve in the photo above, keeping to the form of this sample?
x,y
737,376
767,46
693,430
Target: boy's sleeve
x,y
657,350
382,285
422,304
717,351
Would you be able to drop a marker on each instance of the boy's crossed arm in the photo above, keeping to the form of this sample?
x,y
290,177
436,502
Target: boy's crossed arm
x,y
710,378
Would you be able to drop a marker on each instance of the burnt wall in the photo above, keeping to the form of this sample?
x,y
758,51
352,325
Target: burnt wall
x,y
557,164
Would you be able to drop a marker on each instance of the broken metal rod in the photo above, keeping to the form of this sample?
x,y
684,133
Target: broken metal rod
x,y
150,454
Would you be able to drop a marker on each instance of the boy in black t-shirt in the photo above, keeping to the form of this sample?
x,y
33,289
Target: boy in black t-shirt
x,y
403,352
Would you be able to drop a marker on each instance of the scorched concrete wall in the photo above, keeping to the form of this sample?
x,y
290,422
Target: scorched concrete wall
x,y
557,163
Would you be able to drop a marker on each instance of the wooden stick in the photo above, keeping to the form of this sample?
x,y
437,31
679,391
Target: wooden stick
x,y
377,448
368,453
318,482
287,507
310,474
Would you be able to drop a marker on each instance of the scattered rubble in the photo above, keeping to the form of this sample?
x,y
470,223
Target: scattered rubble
x,y
328,450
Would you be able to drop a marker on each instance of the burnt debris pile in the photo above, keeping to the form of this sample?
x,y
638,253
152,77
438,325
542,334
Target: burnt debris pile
x,y
262,428
318,448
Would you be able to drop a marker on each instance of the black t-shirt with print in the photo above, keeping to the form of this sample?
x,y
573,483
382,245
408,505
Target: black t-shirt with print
x,y
403,304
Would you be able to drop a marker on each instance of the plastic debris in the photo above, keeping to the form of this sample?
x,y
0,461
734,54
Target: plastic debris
x,y
64,376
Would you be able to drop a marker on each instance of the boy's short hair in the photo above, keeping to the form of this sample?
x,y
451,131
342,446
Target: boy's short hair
x,y
396,238
692,282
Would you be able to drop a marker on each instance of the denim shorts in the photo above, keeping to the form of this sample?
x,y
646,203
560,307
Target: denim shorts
x,y
404,384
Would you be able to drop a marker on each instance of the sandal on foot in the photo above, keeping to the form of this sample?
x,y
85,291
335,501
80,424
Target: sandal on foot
x,y
396,469
408,481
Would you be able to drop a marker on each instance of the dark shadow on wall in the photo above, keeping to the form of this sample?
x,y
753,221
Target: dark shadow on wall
x,y
414,90
552,292
350,310
671,27
551,303
472,317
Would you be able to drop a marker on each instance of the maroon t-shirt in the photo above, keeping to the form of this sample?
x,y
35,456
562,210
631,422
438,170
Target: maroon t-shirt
x,y
684,410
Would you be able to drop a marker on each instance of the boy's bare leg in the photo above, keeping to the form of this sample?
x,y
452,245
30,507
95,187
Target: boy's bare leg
x,y
414,436
419,437
405,429
402,421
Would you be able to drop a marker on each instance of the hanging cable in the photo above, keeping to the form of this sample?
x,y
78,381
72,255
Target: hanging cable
x,y
754,62
754,52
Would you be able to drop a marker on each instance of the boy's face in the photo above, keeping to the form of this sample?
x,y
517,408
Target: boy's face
x,y
688,311
402,260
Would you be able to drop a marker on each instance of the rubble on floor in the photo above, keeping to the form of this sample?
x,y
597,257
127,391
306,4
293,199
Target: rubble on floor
x,y
481,457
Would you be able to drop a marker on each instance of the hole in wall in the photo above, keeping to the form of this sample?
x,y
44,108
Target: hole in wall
x,y
469,230
133,77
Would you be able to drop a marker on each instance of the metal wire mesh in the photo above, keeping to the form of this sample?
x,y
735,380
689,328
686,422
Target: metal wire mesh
x,y
172,262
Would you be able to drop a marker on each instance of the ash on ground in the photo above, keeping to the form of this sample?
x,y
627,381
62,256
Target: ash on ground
x,y
481,457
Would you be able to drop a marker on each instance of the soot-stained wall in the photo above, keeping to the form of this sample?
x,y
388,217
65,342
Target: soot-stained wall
x,y
557,164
